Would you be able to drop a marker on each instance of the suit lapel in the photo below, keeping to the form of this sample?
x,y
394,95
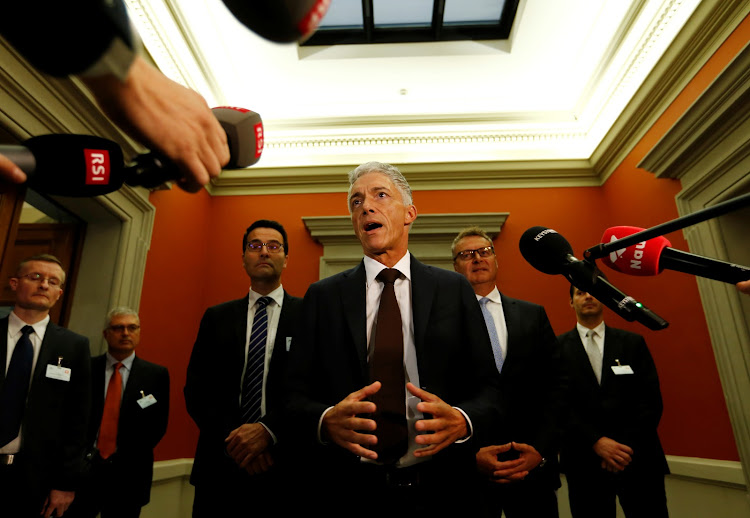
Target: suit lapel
x,y
237,322
3,349
422,295
46,353
512,317
611,352
353,299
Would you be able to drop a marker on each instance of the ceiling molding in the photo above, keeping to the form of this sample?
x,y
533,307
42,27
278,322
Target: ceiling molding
x,y
708,27
299,149
719,112
421,176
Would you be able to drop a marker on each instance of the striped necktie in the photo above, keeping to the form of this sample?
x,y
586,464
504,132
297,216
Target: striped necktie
x,y
252,383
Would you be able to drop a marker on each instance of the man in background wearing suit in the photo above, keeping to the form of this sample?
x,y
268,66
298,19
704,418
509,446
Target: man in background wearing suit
x,y
235,385
129,412
520,469
44,397
394,434
610,445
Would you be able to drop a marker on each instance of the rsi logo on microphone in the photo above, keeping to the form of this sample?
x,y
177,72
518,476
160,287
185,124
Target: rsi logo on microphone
x,y
258,139
97,166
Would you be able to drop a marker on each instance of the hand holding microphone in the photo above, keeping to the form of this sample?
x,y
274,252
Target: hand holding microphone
x,y
83,165
550,253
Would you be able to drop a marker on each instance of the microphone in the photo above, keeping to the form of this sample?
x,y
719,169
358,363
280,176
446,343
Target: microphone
x,y
244,129
69,165
84,165
653,256
282,21
550,253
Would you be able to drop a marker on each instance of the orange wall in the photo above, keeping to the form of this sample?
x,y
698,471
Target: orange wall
x,y
194,262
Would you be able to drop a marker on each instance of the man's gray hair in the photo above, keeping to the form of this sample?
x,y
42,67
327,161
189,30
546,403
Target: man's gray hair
x,y
121,310
391,171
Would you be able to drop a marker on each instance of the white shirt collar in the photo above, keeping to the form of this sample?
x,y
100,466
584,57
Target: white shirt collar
x,y
15,324
276,295
127,362
373,267
494,296
599,330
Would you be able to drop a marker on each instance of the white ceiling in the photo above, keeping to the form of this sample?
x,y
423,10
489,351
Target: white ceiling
x,y
551,92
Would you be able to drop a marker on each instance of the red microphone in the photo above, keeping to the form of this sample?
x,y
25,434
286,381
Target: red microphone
x,y
653,256
282,21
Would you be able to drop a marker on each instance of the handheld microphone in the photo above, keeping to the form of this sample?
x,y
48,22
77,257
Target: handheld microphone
x,y
282,21
550,253
244,129
653,256
69,165
84,165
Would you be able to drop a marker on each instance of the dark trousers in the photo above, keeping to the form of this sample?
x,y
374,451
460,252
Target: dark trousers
x,y
18,497
371,491
641,493
101,493
236,493
519,500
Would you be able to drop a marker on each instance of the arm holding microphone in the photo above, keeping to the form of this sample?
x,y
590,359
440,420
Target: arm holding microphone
x,y
94,39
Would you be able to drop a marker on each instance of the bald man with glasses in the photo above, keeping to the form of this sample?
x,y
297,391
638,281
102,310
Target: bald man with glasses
x,y
519,473
236,382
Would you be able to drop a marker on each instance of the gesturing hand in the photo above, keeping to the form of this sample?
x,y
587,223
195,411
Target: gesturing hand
x,y
342,426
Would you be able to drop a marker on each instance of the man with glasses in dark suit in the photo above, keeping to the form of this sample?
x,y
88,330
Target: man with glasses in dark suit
x,y
235,383
44,397
519,470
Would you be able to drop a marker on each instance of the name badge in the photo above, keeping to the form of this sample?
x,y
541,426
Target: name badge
x,y
622,369
57,372
288,343
147,401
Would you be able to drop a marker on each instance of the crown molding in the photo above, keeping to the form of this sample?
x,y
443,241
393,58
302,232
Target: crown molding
x,y
705,31
421,176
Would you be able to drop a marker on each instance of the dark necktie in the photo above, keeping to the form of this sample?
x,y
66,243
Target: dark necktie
x,y
252,383
13,398
387,366
107,442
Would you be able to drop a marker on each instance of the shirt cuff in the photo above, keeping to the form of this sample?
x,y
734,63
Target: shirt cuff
x,y
469,427
320,425
275,440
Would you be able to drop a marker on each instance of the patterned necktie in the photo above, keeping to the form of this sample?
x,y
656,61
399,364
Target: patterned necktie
x,y
252,383
492,330
13,397
387,366
595,355
110,416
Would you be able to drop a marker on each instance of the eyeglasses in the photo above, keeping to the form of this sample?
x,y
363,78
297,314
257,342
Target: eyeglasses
x,y
119,328
468,255
39,279
256,246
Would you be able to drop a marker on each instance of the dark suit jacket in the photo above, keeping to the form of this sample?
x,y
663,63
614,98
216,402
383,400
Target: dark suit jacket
x,y
328,360
54,424
212,387
626,408
139,430
532,385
